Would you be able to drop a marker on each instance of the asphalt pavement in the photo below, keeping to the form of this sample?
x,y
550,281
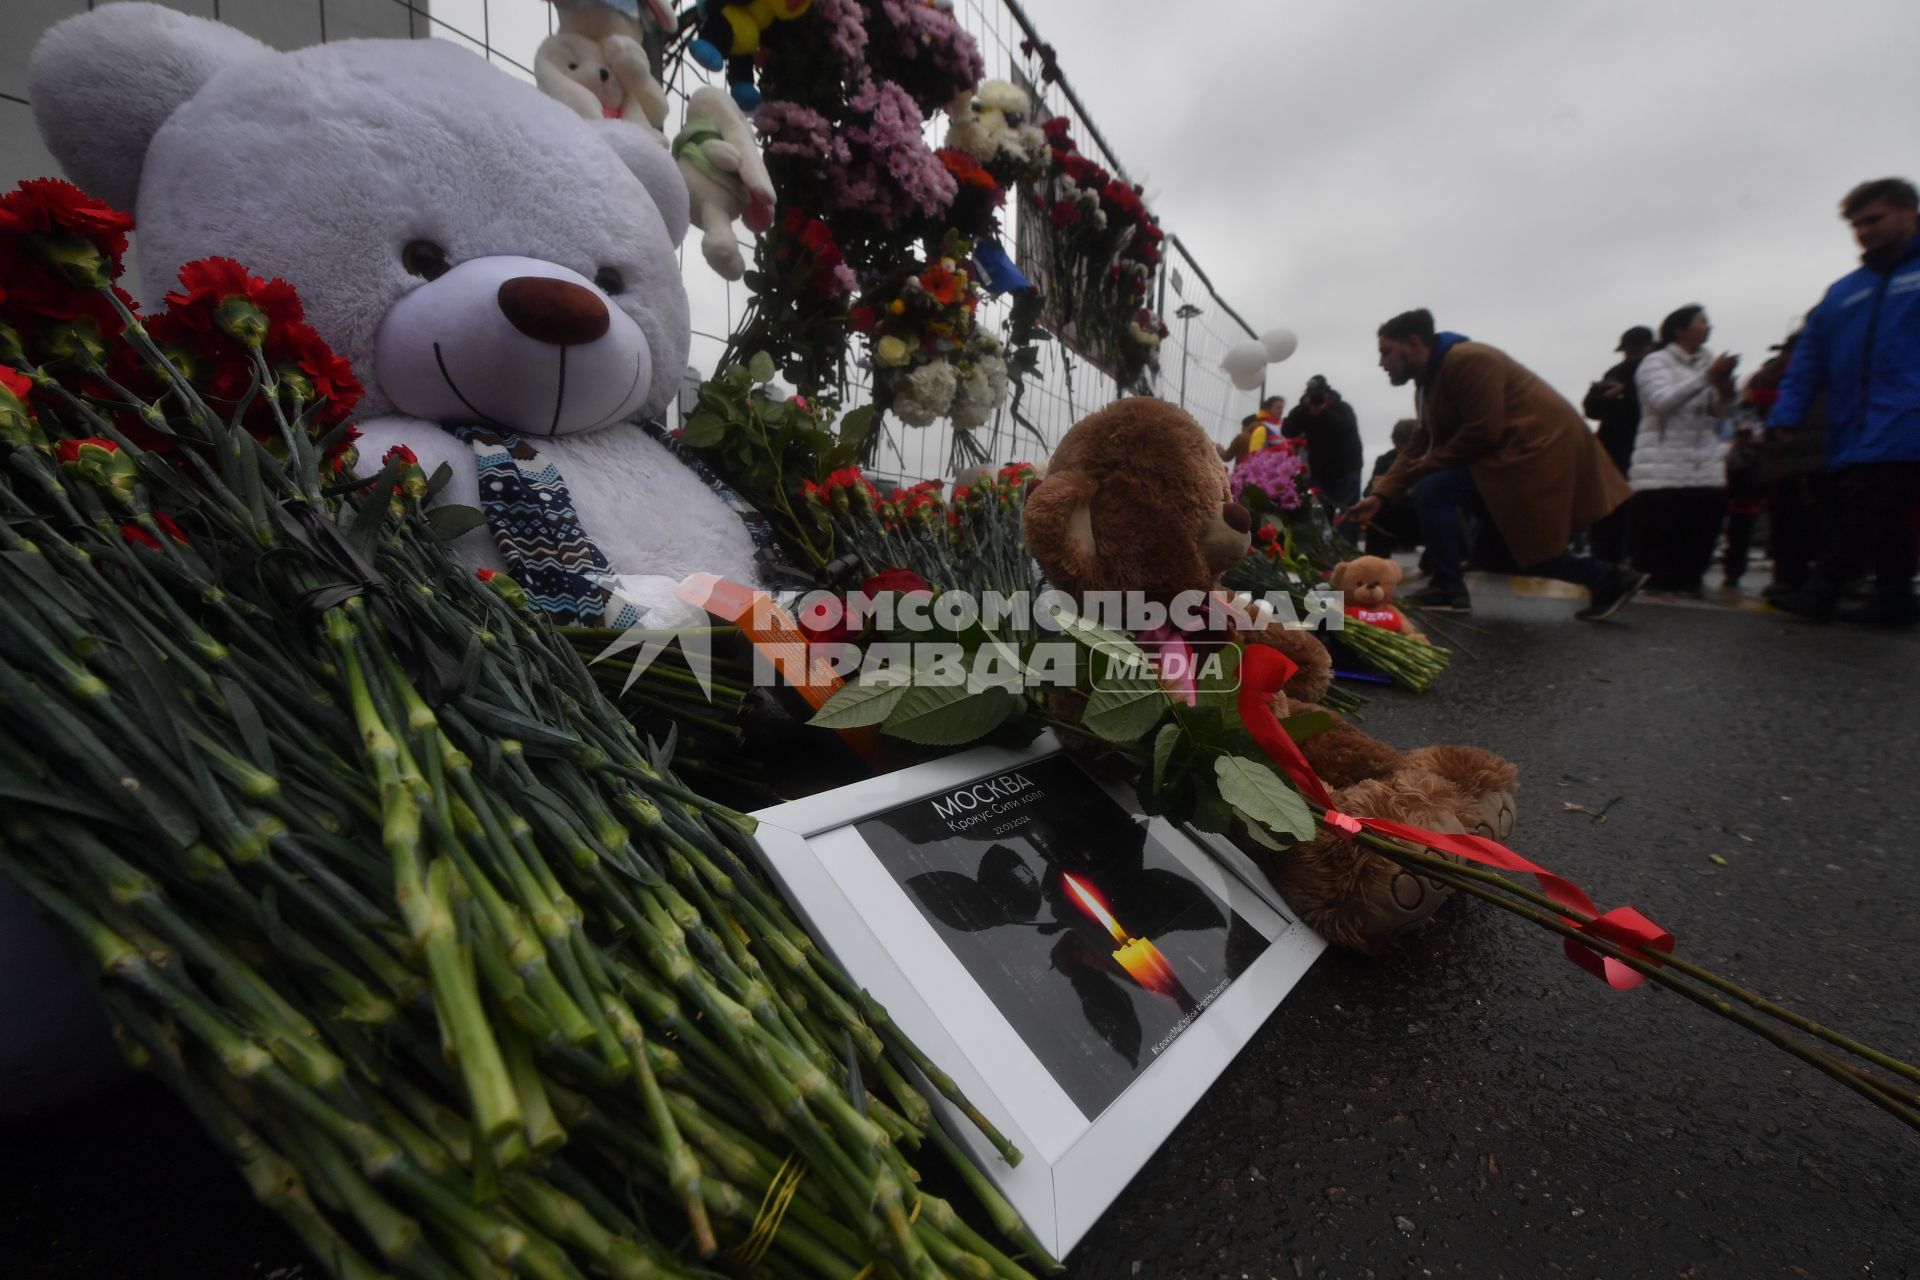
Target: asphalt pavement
x,y
1472,1104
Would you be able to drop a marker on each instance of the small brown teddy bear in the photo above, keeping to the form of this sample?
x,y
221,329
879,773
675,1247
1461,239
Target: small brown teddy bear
x,y
1135,500
1368,583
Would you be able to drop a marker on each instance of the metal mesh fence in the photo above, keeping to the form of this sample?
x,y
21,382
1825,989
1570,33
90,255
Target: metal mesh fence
x,y
1203,324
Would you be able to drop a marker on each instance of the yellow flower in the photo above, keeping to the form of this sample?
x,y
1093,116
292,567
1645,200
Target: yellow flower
x,y
896,307
890,353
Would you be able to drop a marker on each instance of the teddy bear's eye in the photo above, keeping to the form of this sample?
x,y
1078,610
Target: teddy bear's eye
x,y
611,282
425,259
573,66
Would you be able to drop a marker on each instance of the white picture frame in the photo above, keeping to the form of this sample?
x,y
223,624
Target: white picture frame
x,y
1074,1164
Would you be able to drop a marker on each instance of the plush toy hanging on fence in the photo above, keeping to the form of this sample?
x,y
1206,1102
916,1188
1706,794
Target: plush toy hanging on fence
x,y
597,63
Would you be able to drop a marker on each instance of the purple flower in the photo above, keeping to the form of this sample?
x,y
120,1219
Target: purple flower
x,y
886,139
846,26
1276,473
795,130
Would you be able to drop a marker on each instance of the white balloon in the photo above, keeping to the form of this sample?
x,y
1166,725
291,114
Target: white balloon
x,y
1280,343
1249,379
1245,359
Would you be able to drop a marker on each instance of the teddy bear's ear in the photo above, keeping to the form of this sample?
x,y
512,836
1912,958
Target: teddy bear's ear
x,y
1339,575
1059,527
103,82
646,154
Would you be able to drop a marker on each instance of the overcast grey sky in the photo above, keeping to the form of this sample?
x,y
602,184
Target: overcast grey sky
x,y
1540,174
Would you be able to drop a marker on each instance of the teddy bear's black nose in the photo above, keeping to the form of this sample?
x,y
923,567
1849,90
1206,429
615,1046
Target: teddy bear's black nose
x,y
604,75
556,311
1238,518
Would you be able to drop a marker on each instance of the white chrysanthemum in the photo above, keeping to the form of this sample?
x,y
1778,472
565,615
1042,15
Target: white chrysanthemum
x,y
926,394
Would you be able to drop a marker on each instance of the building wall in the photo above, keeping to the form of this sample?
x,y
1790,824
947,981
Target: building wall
x,y
285,24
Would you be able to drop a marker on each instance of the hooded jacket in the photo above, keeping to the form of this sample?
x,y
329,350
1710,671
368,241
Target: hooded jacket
x,y
1861,345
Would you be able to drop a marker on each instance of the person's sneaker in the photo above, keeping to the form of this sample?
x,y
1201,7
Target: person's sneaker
x,y
1813,601
1438,599
1883,611
1622,585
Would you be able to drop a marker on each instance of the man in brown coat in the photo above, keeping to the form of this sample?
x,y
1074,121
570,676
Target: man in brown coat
x,y
1495,442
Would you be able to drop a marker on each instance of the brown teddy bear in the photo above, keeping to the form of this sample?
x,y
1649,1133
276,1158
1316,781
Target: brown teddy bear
x,y
1135,500
1368,583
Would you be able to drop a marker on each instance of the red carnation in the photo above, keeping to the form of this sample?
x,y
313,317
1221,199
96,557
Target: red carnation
x,y
333,379
208,282
39,205
69,450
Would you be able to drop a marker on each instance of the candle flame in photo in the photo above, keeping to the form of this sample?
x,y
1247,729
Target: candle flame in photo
x,y
1093,907
1139,957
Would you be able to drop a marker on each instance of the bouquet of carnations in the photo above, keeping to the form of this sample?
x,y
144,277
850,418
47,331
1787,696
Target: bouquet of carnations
x,y
970,542
463,976
1105,246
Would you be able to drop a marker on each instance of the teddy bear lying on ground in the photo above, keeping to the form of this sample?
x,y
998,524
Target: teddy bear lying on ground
x,y
1368,583
502,274
1135,500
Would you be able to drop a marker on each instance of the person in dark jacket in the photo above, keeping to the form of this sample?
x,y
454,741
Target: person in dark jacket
x,y
1614,402
1334,456
1861,348
1396,528
1793,476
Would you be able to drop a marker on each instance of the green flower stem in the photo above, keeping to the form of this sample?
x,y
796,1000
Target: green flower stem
x,y
1691,970
425,904
1006,1219
1445,871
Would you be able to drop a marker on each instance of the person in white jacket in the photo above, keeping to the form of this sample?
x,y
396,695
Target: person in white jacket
x,y
1679,468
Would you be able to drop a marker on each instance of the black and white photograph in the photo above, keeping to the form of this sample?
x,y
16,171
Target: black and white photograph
x,y
1091,938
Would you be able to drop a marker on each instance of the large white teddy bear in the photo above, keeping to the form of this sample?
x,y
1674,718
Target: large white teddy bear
x,y
483,256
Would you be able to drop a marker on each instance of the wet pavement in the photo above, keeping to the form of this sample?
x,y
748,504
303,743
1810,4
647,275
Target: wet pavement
x,y
1473,1104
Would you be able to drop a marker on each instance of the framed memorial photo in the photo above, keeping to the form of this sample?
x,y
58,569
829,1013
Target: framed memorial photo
x,y
1083,971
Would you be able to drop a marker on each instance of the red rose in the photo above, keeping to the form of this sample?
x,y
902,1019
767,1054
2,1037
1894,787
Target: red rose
x,y
863,319
905,581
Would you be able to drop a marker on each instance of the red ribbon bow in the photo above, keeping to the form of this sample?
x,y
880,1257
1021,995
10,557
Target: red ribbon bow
x,y
1262,673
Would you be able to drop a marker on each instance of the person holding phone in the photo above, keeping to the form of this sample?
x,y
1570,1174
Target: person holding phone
x,y
1679,461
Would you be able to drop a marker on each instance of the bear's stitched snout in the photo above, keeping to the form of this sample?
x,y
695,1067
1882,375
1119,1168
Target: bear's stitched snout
x,y
555,311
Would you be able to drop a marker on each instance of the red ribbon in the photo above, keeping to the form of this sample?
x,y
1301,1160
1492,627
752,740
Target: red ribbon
x,y
1262,673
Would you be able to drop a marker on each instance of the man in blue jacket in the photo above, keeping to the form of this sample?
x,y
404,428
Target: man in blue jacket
x,y
1861,346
